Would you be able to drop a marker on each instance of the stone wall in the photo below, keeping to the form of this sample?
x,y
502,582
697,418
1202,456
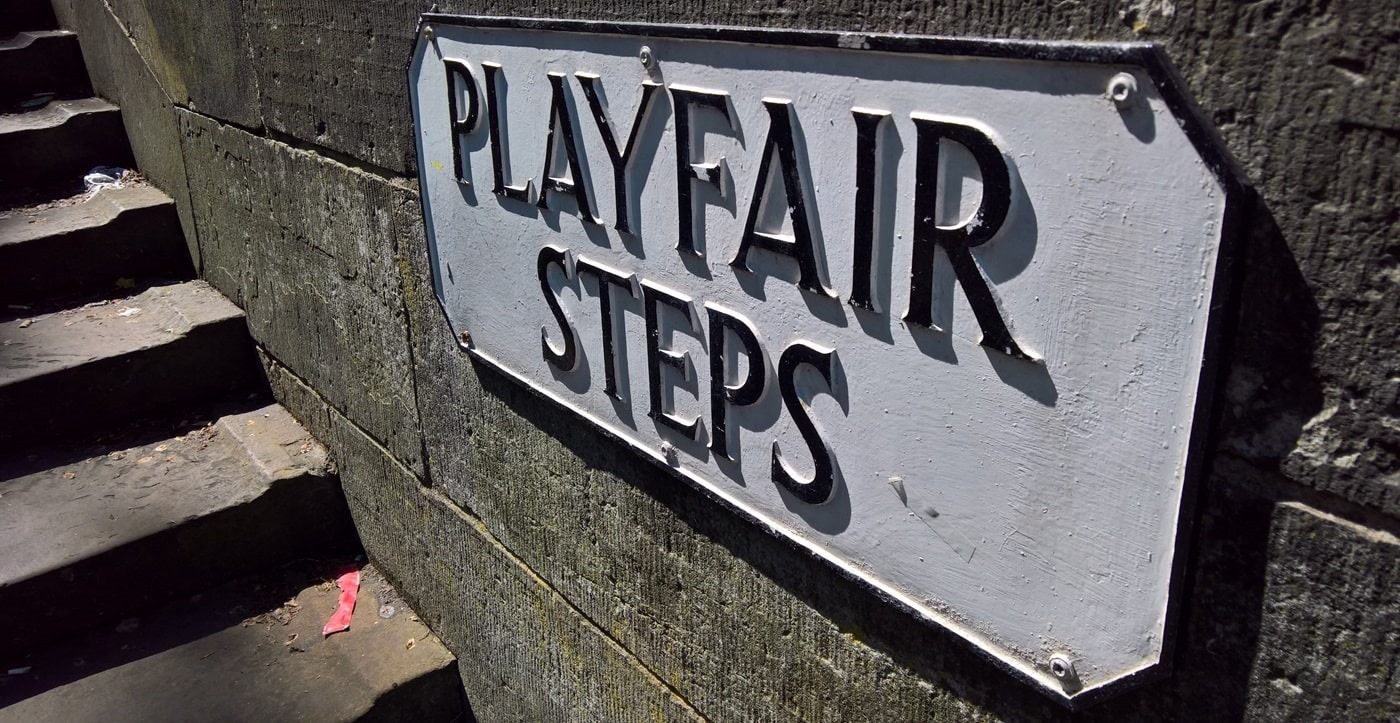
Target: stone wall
x,y
576,582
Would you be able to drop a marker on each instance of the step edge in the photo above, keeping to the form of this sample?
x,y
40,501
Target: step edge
x,y
110,203
26,38
54,116
231,314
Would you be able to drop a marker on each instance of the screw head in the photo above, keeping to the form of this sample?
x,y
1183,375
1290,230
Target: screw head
x,y
428,32
648,59
1062,667
1122,89
466,337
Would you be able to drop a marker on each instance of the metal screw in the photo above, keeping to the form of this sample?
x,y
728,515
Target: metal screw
x,y
648,60
1122,89
1063,669
466,338
428,32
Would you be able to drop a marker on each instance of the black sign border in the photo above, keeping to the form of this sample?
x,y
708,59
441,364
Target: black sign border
x,y
1240,203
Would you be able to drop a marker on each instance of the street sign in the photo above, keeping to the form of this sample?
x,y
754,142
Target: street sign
x,y
936,310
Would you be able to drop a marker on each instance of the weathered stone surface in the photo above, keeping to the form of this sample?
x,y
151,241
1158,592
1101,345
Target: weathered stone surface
x,y
60,142
138,525
118,72
309,248
130,232
250,649
199,52
332,73
82,370
1329,644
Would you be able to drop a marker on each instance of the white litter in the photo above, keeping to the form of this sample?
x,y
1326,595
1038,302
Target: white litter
x,y
103,177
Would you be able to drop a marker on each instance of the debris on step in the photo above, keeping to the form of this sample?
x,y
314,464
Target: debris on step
x,y
139,524
349,584
244,660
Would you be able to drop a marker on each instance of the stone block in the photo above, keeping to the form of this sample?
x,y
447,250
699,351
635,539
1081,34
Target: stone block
x,y
333,74
199,53
310,249
1330,634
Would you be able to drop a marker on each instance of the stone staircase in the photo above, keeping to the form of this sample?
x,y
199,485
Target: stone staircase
x,y
168,533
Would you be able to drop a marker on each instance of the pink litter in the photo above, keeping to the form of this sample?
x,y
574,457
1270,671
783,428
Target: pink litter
x,y
349,585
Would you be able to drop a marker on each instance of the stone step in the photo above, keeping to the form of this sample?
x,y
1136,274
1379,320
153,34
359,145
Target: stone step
x,y
249,650
21,15
61,141
92,537
89,243
39,63
87,368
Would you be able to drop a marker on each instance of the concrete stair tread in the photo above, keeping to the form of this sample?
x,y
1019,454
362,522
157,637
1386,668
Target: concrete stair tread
x,y
58,342
52,518
250,649
85,211
60,141
89,241
54,114
27,38
136,525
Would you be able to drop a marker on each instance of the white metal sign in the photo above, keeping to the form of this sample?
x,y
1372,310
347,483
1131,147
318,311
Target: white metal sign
x,y
934,309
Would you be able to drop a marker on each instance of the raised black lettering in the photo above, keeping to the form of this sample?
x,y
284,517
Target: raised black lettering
x,y
868,123
621,159
563,131
984,224
500,152
657,355
799,246
819,489
565,359
724,323
688,171
609,279
460,76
